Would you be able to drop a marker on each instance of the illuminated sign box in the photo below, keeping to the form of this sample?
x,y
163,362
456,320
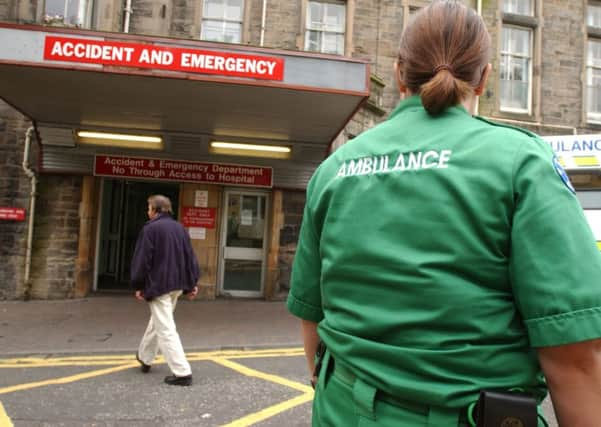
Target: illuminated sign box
x,y
577,152
161,57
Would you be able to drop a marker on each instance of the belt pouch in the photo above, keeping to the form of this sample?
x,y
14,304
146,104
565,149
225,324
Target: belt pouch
x,y
496,409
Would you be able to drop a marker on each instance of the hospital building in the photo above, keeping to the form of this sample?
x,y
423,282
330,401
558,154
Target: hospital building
x,y
227,107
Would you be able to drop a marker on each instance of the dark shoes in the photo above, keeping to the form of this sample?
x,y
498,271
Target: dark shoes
x,y
173,380
144,367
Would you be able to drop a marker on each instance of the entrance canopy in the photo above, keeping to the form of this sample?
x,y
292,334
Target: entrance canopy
x,y
188,92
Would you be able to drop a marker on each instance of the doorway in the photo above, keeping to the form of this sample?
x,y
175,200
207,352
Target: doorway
x,y
123,213
244,241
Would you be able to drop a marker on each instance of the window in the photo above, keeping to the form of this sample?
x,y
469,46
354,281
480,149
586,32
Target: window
x,y
593,81
222,20
518,7
326,23
72,13
593,18
515,72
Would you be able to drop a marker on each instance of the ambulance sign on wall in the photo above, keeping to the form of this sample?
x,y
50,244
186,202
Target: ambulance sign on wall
x,y
180,170
577,152
162,57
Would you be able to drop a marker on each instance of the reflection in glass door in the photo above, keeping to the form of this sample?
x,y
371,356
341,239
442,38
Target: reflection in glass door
x,y
244,239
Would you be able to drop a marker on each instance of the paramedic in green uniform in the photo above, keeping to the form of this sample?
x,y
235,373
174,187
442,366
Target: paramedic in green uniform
x,y
441,254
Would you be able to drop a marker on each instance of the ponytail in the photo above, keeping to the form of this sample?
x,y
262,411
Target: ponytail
x,y
442,54
443,91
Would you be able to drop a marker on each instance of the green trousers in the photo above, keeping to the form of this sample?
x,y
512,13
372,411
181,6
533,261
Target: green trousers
x,y
339,403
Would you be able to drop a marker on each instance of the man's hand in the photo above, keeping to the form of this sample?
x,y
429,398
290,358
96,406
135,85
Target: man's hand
x,y
192,294
140,295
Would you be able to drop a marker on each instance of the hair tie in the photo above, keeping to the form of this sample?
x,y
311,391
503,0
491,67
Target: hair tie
x,y
443,67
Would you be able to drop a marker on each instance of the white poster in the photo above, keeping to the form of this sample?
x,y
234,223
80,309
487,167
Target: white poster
x,y
247,217
197,233
201,198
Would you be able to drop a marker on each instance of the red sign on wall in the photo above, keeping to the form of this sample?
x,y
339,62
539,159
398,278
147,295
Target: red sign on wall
x,y
198,217
179,170
159,57
12,214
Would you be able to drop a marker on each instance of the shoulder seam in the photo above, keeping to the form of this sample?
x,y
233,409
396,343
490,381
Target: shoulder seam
x,y
504,125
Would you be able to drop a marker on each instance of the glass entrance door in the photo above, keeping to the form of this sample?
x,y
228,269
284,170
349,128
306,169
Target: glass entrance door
x,y
124,206
244,238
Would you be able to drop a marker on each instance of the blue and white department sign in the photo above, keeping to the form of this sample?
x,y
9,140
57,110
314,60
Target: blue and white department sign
x,y
576,152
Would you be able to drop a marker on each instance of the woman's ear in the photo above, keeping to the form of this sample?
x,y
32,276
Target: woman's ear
x,y
483,79
397,77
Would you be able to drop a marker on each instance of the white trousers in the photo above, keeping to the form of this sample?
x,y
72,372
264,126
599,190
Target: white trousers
x,y
161,333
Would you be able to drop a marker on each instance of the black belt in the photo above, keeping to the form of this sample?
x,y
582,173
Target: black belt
x,y
346,376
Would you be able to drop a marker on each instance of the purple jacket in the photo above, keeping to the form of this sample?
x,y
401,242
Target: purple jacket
x,y
163,260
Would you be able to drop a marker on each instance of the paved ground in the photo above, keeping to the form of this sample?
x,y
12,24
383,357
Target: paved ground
x,y
70,363
115,324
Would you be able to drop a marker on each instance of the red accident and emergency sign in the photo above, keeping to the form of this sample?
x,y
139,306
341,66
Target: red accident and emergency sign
x,y
162,57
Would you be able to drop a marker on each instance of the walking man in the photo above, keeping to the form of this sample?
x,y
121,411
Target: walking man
x,y
163,267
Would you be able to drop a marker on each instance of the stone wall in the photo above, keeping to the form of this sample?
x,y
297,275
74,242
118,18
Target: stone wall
x,y
14,192
377,31
56,232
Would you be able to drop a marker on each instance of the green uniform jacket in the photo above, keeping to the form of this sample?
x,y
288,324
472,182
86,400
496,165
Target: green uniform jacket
x,y
436,252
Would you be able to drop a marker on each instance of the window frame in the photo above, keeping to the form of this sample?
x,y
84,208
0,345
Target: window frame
x,y
502,54
88,17
530,13
224,21
525,22
591,28
593,36
345,34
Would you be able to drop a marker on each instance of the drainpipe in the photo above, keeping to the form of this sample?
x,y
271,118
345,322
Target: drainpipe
x,y
479,12
263,19
31,175
128,11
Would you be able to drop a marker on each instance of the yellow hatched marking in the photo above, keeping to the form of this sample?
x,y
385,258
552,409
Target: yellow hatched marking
x,y
271,411
4,420
219,357
66,380
562,162
36,362
586,161
262,375
599,245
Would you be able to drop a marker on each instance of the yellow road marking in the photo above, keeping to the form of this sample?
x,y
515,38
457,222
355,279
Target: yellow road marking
x,y
271,411
219,357
258,374
33,362
4,420
65,380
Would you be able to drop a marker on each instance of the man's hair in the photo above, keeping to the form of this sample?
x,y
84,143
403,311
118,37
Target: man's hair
x,y
160,203
443,54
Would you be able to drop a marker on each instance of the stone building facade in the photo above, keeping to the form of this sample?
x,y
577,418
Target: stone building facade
x,y
555,73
